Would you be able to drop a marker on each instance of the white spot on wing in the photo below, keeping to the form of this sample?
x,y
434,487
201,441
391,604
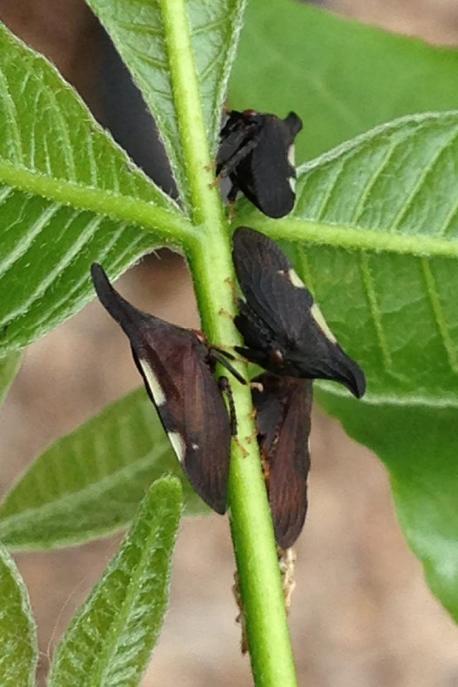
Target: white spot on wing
x,y
291,155
291,160
178,444
295,279
153,384
321,322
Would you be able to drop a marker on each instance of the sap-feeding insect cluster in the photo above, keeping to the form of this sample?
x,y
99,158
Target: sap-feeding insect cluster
x,y
283,330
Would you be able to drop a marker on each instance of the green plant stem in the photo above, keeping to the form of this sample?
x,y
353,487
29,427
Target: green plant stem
x,y
209,254
267,629
205,202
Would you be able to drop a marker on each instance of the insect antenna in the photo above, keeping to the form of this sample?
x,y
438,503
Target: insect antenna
x,y
222,357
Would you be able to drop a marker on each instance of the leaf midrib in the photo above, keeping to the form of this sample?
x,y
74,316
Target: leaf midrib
x,y
353,238
399,399
168,224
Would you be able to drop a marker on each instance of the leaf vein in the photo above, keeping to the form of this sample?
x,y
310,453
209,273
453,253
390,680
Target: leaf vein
x,y
34,229
12,115
67,296
148,59
56,273
439,315
139,28
375,312
209,27
442,230
66,149
372,181
415,190
329,191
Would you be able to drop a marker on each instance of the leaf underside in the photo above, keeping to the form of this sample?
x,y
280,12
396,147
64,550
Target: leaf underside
x,y
52,153
89,483
393,305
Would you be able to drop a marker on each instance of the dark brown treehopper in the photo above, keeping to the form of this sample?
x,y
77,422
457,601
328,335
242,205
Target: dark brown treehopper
x,y
177,367
257,154
283,408
283,329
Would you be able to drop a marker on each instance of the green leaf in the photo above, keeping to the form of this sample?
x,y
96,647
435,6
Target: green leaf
x,y
68,196
341,77
418,445
139,32
18,638
9,367
380,219
385,206
110,639
90,482
379,216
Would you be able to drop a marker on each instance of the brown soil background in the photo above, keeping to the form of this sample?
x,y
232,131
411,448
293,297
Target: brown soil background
x,y
362,615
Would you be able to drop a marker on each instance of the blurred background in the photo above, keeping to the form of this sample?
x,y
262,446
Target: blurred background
x,y
362,615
